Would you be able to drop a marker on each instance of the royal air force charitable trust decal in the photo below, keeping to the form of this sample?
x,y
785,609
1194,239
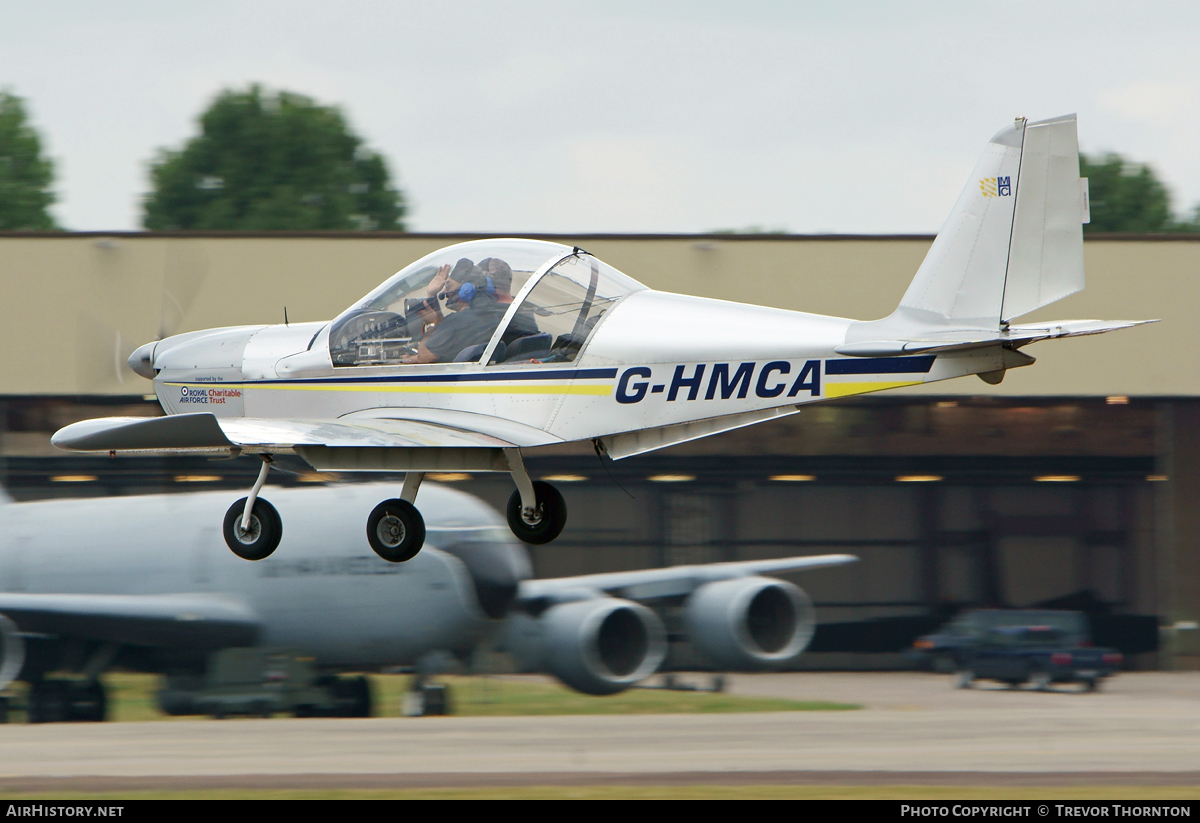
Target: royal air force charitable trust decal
x,y
207,395
708,381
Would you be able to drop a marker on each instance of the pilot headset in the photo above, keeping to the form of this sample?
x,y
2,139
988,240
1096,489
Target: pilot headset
x,y
466,292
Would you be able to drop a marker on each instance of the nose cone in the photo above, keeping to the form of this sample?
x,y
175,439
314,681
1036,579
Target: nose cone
x,y
142,360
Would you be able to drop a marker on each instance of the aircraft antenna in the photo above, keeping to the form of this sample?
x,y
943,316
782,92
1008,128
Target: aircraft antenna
x,y
599,447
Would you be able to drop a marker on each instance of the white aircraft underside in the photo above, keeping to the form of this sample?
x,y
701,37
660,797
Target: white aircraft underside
x,y
483,350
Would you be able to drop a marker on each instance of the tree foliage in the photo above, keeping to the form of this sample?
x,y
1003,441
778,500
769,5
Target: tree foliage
x,y
272,162
25,176
1127,197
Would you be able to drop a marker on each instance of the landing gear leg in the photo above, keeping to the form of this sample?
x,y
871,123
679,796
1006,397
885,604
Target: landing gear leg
x,y
252,527
395,529
537,512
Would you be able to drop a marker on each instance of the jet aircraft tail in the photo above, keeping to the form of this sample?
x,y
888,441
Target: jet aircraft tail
x,y
1012,244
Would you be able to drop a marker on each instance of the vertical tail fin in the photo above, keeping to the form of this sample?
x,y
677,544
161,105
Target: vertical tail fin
x,y
1045,258
1012,243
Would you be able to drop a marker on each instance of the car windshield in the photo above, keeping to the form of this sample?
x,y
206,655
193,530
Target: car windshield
x,y
443,308
1027,636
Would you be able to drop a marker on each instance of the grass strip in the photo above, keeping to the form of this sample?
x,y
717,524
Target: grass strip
x,y
132,699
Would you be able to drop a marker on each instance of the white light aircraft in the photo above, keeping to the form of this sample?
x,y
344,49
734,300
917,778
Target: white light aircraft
x,y
480,352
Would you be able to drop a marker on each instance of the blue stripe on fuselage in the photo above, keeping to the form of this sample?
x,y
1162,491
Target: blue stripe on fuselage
x,y
881,365
474,377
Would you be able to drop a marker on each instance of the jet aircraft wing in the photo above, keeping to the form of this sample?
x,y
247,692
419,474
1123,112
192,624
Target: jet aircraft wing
x,y
193,621
207,433
673,581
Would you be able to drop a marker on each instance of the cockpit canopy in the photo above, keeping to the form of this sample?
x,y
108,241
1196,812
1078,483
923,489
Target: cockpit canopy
x,y
510,300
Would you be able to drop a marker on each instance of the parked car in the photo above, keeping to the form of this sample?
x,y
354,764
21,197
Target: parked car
x,y
943,650
1040,654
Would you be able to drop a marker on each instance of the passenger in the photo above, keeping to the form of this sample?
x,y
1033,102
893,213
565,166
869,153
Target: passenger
x,y
501,274
523,323
475,318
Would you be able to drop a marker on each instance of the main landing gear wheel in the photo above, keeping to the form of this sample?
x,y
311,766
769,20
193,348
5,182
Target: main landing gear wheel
x,y
396,530
258,541
543,525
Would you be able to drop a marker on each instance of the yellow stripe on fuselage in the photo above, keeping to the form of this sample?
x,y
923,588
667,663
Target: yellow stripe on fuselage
x,y
419,388
847,389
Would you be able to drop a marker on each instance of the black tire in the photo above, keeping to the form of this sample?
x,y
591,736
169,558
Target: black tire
x,y
47,702
396,530
552,515
266,529
353,696
86,702
437,700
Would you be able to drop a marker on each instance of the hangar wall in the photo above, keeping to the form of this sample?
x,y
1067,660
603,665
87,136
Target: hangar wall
x,y
69,296
1124,529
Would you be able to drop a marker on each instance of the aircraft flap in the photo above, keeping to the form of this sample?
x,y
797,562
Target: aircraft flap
x,y
191,621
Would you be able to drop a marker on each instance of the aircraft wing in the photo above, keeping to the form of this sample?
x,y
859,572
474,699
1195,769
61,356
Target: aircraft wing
x,y
205,433
192,621
673,581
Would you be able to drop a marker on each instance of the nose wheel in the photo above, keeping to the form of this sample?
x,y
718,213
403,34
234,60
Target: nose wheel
x,y
396,530
252,527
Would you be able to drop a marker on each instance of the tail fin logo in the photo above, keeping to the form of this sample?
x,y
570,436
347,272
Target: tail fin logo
x,y
996,186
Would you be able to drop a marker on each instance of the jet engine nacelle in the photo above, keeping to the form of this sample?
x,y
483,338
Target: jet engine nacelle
x,y
749,623
12,652
601,645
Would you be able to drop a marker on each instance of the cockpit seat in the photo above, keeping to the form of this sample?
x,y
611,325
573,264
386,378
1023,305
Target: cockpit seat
x,y
524,347
470,353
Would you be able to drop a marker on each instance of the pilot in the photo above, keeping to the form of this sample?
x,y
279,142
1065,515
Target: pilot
x,y
441,281
422,314
476,315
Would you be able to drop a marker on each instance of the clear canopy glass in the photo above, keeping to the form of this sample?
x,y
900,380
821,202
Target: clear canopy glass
x,y
442,308
558,315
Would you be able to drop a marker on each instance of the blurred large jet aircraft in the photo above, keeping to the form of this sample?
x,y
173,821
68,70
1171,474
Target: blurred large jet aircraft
x,y
146,583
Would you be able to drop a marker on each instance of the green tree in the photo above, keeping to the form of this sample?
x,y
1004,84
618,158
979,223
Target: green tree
x,y
1125,196
25,176
272,162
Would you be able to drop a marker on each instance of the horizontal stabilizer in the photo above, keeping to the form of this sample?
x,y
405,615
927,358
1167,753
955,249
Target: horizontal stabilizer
x,y
961,340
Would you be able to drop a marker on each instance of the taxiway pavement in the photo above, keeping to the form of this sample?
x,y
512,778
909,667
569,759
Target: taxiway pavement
x,y
912,723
